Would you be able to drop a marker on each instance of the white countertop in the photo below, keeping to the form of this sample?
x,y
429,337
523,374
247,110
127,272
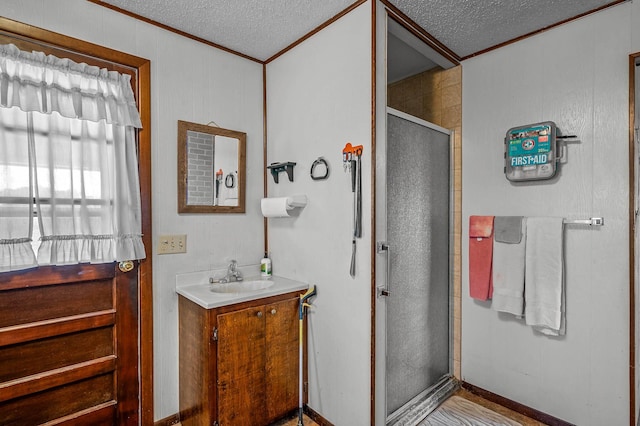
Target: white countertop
x,y
195,287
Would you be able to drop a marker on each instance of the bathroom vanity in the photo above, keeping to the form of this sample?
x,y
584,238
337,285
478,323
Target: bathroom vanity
x,y
238,354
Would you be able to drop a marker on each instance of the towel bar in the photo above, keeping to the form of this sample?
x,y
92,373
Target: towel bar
x,y
594,221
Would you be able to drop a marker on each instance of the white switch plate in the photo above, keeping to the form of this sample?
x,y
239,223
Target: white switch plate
x,y
172,244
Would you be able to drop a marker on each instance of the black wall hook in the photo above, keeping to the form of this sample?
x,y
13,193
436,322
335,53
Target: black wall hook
x,y
276,168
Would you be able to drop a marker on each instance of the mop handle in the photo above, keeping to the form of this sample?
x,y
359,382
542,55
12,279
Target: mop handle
x,y
301,311
300,379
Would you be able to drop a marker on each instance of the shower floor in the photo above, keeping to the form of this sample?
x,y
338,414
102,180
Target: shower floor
x,y
459,409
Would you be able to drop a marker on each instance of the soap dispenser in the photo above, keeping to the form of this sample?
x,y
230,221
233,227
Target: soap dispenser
x,y
265,266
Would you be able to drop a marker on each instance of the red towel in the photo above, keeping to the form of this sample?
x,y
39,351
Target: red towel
x,y
480,256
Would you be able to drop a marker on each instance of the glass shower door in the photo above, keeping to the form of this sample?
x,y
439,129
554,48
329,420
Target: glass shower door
x,y
418,241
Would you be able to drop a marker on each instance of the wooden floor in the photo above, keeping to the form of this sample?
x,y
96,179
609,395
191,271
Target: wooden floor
x,y
524,420
294,422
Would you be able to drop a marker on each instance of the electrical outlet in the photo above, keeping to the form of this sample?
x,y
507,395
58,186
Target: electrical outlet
x,y
172,244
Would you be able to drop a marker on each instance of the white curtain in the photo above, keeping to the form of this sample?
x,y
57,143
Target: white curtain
x,y
68,162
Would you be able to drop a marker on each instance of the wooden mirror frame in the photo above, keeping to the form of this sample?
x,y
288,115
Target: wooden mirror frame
x,y
183,159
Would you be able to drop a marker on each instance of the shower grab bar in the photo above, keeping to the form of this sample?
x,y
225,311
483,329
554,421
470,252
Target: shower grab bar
x,y
382,246
594,221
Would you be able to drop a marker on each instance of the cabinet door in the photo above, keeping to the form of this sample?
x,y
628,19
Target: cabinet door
x,y
281,357
241,378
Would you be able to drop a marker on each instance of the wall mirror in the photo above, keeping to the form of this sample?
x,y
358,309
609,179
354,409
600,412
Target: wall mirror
x,y
211,169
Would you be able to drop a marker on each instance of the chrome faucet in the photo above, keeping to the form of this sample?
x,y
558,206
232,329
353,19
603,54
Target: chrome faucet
x,y
232,274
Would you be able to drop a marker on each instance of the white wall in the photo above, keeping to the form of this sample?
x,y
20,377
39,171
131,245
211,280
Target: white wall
x,y
577,76
318,99
193,82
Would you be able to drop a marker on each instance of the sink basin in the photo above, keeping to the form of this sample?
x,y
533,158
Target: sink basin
x,y
241,286
195,286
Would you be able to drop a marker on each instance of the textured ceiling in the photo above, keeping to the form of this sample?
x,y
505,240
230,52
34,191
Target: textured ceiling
x,y
262,28
469,26
257,28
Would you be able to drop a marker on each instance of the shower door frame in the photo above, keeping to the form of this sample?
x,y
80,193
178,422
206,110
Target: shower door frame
x,y
446,385
634,237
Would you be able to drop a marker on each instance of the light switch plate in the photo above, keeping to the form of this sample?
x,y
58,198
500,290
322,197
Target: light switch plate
x,y
169,244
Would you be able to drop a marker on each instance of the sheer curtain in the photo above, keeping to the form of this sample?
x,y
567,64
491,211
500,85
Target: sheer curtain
x,y
68,162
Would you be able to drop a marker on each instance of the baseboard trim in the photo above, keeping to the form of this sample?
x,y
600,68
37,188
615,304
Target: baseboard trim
x,y
316,417
515,406
168,421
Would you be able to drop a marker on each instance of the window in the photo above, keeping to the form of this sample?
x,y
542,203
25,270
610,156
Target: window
x,y
68,163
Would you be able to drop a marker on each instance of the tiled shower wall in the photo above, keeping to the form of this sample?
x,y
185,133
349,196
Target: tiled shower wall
x,y
436,96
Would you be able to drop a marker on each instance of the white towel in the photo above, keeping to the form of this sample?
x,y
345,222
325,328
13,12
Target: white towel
x,y
544,275
508,264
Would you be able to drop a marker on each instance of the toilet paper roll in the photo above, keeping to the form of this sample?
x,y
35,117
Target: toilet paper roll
x,y
275,207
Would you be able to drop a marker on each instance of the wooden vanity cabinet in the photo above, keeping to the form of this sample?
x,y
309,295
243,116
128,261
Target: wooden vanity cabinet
x,y
239,363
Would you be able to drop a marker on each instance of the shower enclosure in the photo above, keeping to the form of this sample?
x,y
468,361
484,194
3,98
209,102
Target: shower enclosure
x,y
413,281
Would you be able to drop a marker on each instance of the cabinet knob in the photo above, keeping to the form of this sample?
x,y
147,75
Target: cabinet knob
x,y
259,314
273,311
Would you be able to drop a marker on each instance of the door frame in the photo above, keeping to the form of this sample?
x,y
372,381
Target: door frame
x,y
141,83
381,12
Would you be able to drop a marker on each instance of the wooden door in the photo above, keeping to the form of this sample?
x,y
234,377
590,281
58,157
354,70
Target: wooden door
x,y
44,311
68,346
281,358
241,376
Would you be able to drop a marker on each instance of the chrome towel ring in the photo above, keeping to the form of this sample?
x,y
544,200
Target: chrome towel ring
x,y
322,161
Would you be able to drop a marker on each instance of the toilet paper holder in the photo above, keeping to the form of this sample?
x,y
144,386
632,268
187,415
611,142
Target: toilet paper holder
x,y
284,205
294,201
